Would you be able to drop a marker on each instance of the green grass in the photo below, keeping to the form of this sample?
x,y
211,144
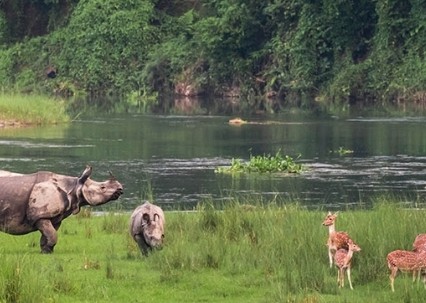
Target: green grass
x,y
239,254
263,164
17,109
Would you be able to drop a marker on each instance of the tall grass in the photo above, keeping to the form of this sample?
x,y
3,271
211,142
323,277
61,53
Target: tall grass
x,y
240,253
31,109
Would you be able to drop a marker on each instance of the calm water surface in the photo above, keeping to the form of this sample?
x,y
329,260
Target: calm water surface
x,y
174,157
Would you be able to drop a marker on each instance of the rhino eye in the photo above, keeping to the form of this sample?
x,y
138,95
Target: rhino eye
x,y
103,188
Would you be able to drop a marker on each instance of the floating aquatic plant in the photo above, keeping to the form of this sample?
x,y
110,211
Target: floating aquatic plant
x,y
266,163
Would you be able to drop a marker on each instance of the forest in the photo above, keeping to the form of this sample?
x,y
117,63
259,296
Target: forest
x,y
269,54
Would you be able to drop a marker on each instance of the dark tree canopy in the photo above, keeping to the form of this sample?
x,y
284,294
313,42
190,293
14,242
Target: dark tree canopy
x,y
290,51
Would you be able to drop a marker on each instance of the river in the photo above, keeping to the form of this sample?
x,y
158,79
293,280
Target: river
x,y
173,158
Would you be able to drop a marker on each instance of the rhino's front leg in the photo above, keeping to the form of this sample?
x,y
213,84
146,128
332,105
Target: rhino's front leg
x,y
143,247
49,236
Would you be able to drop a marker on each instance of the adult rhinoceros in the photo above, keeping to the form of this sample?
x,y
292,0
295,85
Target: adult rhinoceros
x,y
40,201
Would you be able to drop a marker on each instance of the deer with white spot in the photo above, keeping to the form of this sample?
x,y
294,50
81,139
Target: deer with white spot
x,y
343,258
405,261
336,239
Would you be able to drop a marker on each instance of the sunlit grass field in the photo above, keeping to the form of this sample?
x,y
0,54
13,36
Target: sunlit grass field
x,y
17,109
240,253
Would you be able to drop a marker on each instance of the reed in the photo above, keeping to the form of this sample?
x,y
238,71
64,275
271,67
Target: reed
x,y
18,109
238,253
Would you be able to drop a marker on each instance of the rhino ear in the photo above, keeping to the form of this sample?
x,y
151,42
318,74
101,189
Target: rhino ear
x,y
146,219
85,175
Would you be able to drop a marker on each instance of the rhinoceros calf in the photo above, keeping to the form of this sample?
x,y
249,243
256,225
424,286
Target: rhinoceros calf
x,y
147,225
40,201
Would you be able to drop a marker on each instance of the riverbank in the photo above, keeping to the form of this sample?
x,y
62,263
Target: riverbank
x,y
18,110
240,254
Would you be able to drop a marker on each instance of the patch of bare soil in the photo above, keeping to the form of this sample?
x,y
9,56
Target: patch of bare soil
x,y
11,123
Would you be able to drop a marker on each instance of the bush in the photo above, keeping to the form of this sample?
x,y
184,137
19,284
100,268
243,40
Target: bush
x,y
263,164
106,45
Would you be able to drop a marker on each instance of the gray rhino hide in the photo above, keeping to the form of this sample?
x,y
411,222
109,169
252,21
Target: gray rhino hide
x,y
147,225
40,201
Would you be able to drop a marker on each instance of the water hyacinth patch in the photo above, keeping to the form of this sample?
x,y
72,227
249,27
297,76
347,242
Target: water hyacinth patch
x,y
263,164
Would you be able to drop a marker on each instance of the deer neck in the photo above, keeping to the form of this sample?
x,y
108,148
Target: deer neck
x,y
348,257
331,229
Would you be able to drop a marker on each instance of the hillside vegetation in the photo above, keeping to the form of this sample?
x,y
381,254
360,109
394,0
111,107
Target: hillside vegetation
x,y
270,53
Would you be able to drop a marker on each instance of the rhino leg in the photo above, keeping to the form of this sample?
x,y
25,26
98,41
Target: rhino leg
x,y
49,236
143,247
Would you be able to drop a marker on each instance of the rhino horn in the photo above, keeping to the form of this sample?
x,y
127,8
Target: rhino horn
x,y
111,176
85,175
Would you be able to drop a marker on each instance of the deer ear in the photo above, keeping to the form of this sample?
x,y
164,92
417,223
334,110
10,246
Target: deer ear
x,y
329,213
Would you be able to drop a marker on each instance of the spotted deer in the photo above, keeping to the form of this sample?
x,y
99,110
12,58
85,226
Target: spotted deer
x,y
406,261
336,239
343,258
419,243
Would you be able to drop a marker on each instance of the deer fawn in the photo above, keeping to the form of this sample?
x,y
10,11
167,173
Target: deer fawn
x,y
405,260
336,239
343,258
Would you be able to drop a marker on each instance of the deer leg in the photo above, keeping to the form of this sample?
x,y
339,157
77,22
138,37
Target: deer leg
x,y
416,275
394,271
342,278
423,275
348,271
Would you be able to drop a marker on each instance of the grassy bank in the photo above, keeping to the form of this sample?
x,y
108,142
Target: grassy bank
x,y
17,109
240,254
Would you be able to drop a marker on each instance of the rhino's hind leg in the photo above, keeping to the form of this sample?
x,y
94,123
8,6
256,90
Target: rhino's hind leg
x,y
49,236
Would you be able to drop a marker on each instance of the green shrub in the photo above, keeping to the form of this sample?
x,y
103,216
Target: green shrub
x,y
106,44
263,164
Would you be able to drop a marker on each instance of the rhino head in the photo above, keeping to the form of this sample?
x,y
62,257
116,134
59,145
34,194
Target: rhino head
x,y
98,193
153,230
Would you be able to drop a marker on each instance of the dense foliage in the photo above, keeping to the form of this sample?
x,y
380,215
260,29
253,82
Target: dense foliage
x,y
284,51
